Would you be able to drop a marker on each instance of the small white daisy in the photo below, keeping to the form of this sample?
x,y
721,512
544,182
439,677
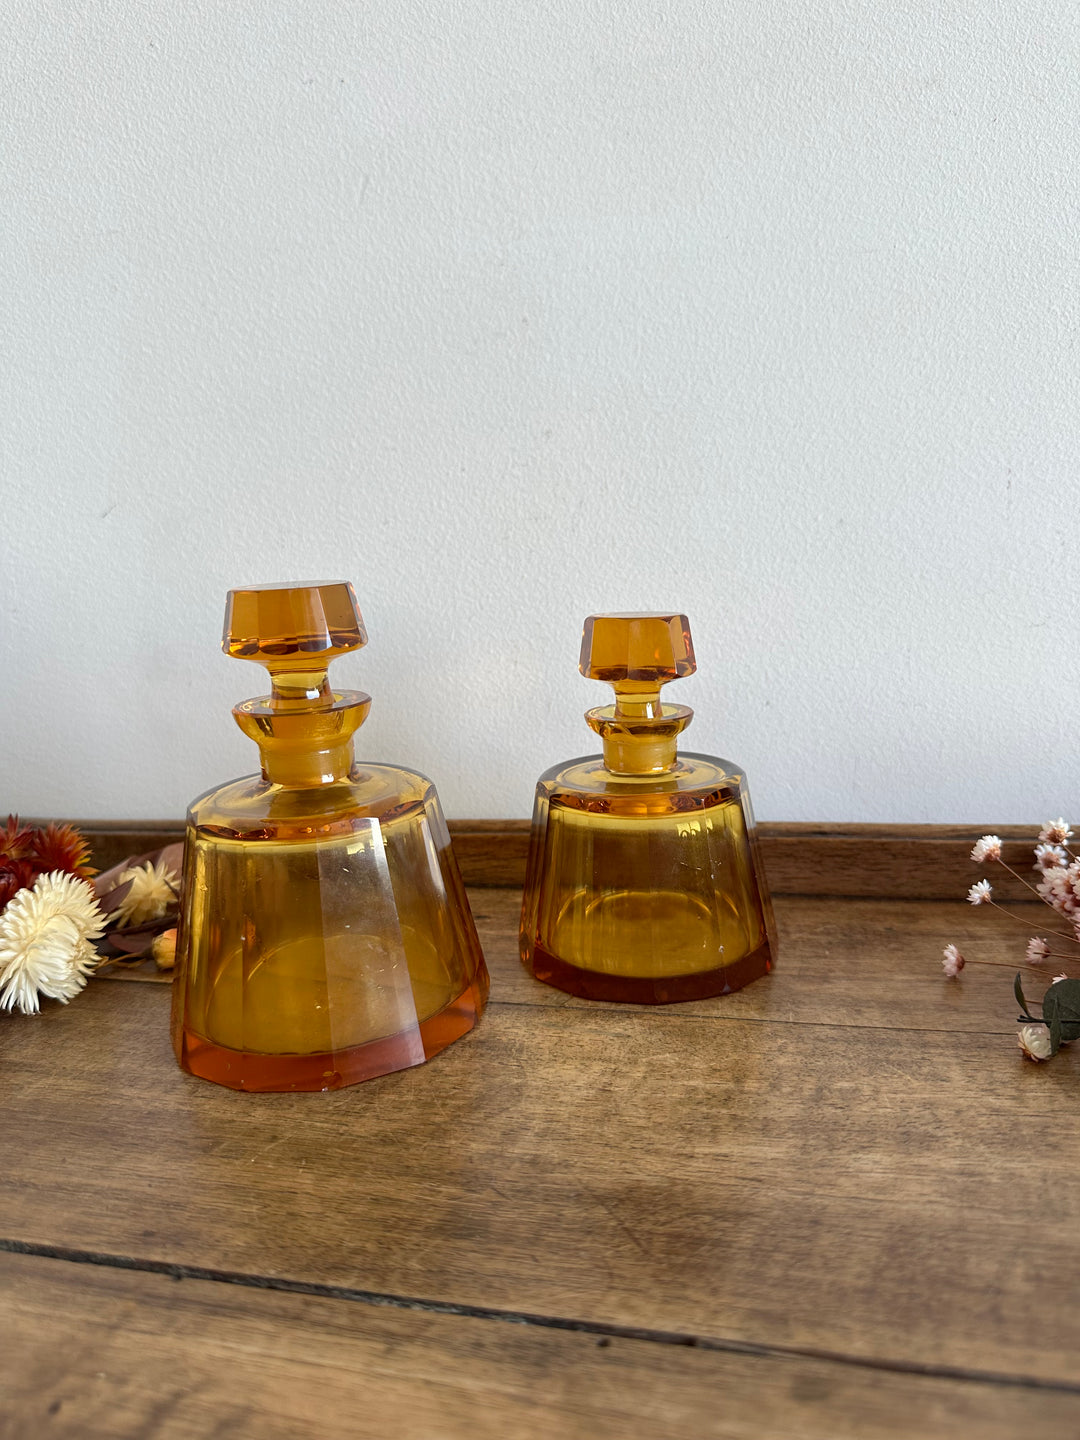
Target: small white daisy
x,y
1050,857
988,848
980,892
1056,832
1037,951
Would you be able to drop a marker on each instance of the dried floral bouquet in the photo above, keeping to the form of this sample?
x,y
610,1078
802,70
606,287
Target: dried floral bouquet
x,y
1059,888
54,914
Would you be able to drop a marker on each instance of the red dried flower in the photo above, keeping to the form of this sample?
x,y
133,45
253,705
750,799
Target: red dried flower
x,y
15,875
26,853
61,847
15,844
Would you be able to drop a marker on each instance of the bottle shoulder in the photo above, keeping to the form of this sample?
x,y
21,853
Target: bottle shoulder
x,y
696,781
256,808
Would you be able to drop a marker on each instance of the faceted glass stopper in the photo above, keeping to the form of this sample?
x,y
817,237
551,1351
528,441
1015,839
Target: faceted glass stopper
x,y
303,728
645,650
637,654
293,627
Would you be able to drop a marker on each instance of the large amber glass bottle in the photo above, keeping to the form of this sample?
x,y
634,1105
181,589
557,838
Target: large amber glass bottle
x,y
644,881
325,936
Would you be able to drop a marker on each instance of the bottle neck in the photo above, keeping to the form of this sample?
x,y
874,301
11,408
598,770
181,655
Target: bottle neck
x,y
307,767
640,744
303,746
626,755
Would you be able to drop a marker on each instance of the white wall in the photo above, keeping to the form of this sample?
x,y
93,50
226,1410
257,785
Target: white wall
x,y
763,309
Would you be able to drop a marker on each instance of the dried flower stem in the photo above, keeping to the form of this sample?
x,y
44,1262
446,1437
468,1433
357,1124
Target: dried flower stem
x,y
1021,921
1025,883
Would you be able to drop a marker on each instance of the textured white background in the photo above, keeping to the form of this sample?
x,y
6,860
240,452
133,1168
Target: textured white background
x,y
768,310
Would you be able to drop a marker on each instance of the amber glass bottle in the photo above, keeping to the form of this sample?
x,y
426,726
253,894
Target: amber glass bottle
x,y
644,881
325,936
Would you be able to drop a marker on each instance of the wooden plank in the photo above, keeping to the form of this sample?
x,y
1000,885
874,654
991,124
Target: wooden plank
x,y
855,962
862,1190
915,862
850,962
912,862
91,1352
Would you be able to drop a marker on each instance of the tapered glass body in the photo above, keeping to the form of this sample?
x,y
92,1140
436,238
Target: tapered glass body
x,y
325,937
644,880
645,889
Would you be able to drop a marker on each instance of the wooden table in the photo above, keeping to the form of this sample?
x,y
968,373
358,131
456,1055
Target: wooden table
x,y
836,1204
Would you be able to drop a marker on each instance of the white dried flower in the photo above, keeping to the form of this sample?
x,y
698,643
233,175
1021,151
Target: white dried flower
x,y
1034,1041
980,892
45,934
1037,951
1056,832
952,962
1056,978
988,848
1049,857
153,890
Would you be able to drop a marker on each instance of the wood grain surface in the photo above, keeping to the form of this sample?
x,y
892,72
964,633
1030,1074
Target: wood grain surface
x,y
148,1355
915,862
847,1164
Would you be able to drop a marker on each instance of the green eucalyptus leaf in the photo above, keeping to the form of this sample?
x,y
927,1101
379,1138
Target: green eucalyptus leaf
x,y
1018,991
1055,1033
1063,998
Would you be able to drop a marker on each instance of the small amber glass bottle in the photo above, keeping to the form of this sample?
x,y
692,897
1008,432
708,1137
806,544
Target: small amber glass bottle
x,y
325,937
644,881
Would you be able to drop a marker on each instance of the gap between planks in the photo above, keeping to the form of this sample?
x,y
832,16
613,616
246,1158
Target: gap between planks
x,y
602,1331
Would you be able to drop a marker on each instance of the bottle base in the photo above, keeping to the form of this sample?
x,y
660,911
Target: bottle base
x,y
648,989
333,1069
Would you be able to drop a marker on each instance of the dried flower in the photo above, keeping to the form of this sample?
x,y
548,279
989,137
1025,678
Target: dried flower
x,y
26,853
45,935
1034,1041
1056,888
15,875
980,892
952,961
15,843
61,847
988,848
1056,978
1037,951
1056,832
1049,857
163,949
153,890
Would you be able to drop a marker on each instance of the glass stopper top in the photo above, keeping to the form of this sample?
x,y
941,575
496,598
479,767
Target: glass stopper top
x,y
303,728
286,627
638,654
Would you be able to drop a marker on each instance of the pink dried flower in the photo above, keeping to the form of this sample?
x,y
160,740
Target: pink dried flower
x,y
1056,978
1056,889
952,961
1034,1041
988,848
1049,857
1056,832
980,892
1037,951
